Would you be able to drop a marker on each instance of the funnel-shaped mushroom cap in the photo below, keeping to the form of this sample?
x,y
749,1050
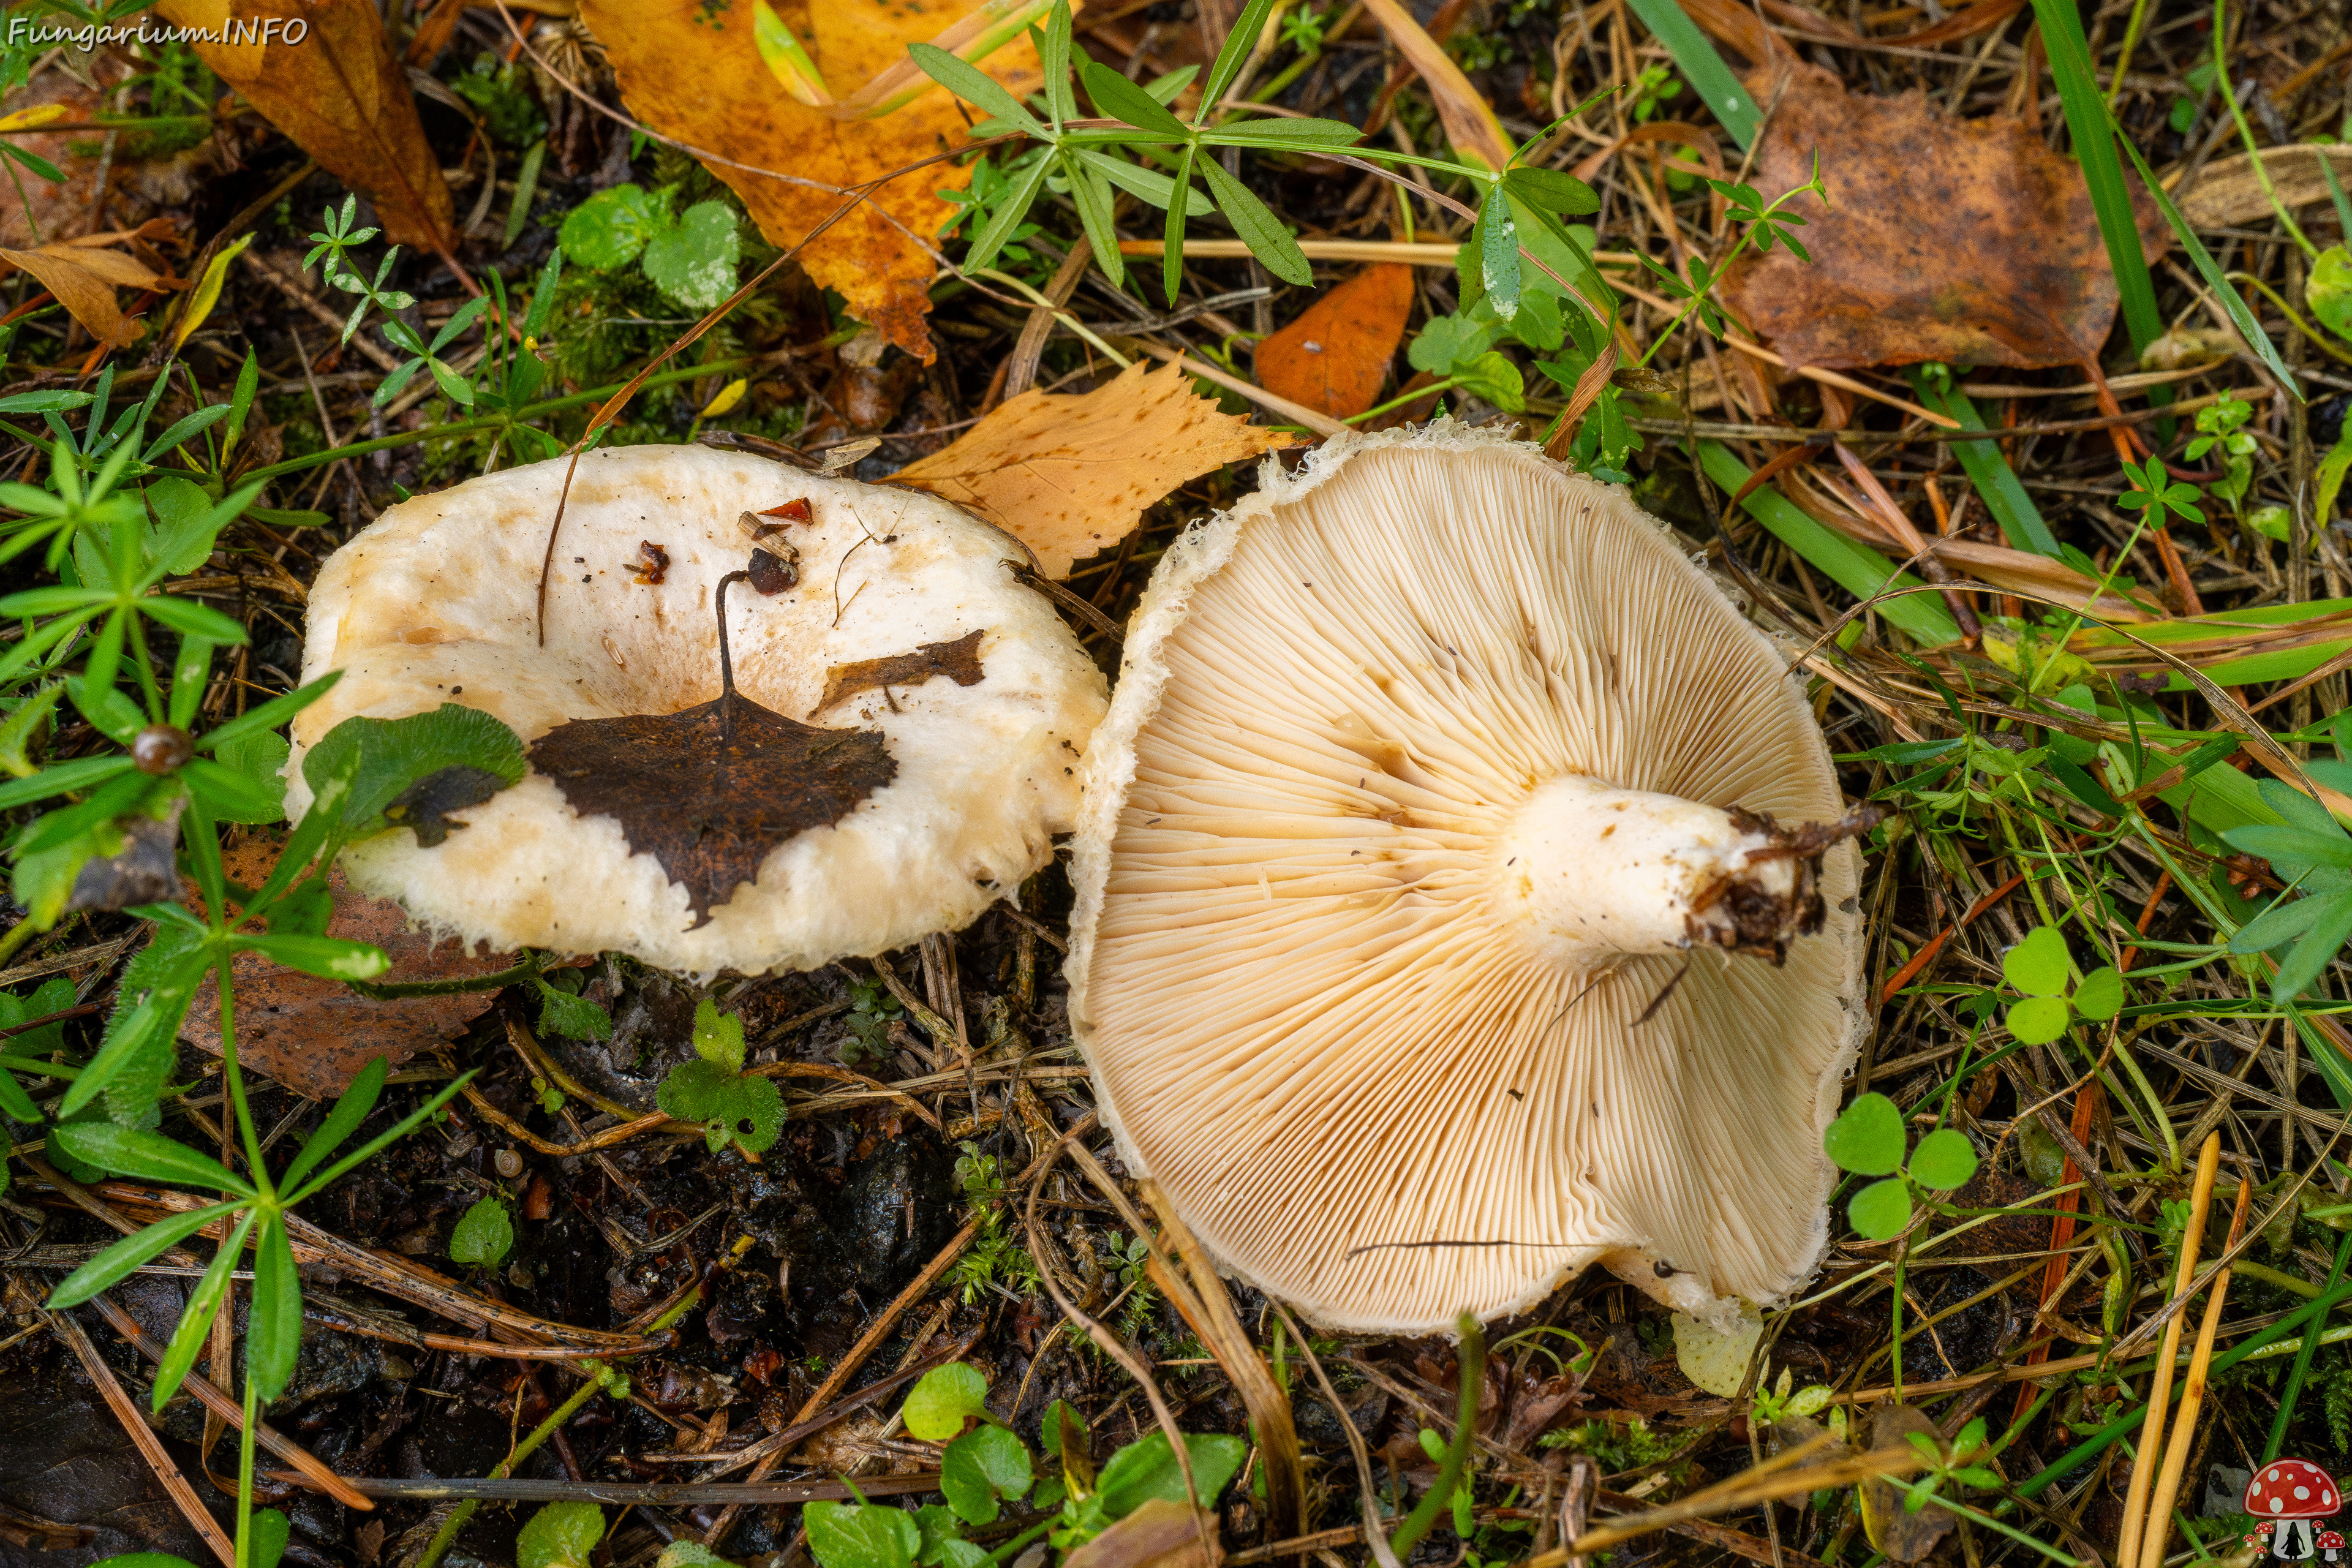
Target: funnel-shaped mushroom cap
x,y
1411,907
906,619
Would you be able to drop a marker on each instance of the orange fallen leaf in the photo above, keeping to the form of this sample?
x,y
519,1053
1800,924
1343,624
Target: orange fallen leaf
x,y
1968,241
1070,476
84,277
340,93
692,71
313,1035
1334,357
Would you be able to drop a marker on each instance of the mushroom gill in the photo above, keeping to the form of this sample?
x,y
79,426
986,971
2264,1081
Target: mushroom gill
x,y
1437,936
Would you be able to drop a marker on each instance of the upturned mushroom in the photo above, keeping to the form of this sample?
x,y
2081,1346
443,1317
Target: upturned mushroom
x,y
879,739
1463,897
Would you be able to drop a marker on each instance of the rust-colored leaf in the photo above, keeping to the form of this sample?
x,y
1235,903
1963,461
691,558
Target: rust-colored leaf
x,y
690,69
313,1035
958,660
1335,356
1966,241
339,93
1070,476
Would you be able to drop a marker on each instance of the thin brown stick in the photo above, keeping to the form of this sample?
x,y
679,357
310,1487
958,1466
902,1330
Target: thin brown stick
x,y
2151,1432
212,1398
393,1275
1112,1345
150,1446
1220,1329
871,1339
2192,1398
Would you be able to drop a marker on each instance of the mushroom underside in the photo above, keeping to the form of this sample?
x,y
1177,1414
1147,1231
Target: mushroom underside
x,y
1329,1002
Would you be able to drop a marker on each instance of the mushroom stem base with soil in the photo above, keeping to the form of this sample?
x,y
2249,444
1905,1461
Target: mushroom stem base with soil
x,y
1598,874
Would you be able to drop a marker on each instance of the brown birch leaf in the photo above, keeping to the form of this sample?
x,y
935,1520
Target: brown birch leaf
x,y
339,93
1070,476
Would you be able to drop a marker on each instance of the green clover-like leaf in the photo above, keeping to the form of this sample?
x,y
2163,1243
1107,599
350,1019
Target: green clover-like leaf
x,y
2039,965
1867,1139
1881,1210
1945,1159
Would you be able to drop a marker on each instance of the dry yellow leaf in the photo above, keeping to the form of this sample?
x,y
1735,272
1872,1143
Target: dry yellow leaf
x,y
691,70
1071,475
338,91
83,277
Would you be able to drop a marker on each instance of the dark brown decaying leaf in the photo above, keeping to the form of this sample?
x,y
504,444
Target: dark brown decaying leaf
x,y
958,660
1902,1537
1965,241
143,871
424,806
340,94
712,790
312,1034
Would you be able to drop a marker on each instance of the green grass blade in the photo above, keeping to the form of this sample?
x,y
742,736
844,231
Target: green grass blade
x,y
1701,67
1858,569
2208,270
1997,484
2095,149
2302,1368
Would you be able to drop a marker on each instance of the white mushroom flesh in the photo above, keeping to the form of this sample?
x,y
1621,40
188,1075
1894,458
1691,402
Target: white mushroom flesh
x,y
437,602
1592,874
1368,984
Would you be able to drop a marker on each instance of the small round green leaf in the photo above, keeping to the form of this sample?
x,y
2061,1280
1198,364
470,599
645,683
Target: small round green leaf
x,y
609,228
1867,1139
2038,1020
982,1467
1944,1159
2101,995
860,1535
1880,1210
695,263
754,1110
483,1236
2329,290
942,1400
2038,965
560,1535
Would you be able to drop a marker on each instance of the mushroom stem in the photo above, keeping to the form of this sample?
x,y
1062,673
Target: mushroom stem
x,y
1598,873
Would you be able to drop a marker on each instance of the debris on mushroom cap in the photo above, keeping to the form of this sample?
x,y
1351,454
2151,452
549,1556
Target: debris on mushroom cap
x,y
1411,905
435,603
2291,1489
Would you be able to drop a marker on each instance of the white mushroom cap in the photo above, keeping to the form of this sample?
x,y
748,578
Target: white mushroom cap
x,y
436,602
1392,737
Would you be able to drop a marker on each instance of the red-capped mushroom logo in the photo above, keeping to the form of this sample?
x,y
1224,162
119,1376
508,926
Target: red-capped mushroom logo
x,y
2289,1496
2331,1545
